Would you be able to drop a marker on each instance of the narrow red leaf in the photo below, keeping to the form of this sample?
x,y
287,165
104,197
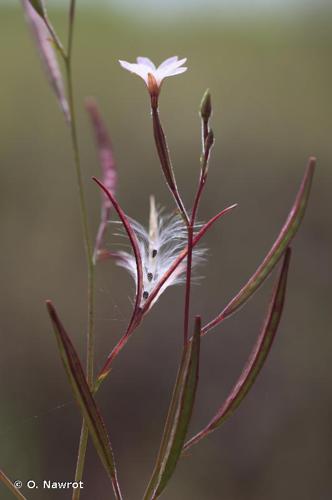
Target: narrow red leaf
x,y
284,238
85,399
44,45
256,359
138,258
132,238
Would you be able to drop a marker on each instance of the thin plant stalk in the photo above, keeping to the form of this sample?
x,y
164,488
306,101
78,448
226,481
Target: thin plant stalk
x,y
66,55
190,247
207,143
87,241
167,168
82,447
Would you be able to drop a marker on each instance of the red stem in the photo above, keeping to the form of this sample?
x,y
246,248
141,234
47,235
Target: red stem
x,y
191,226
206,149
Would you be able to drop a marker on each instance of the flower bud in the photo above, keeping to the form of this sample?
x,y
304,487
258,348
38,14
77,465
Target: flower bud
x,y
206,107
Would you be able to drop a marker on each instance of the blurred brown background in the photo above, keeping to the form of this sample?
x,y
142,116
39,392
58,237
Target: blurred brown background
x,y
270,75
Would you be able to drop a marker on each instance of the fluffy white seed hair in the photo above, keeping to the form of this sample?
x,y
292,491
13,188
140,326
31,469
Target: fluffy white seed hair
x,y
160,245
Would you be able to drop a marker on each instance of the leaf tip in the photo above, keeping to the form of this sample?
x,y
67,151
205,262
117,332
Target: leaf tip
x,y
49,305
312,162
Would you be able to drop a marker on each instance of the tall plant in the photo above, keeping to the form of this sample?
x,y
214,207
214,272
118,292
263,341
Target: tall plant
x,y
164,254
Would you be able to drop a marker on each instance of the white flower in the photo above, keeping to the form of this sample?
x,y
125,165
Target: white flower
x,y
165,239
153,76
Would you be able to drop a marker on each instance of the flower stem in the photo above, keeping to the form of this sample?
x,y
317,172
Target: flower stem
x,y
207,143
87,242
81,458
190,231
86,236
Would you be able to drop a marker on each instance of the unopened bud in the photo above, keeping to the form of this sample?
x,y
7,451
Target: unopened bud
x,y
206,107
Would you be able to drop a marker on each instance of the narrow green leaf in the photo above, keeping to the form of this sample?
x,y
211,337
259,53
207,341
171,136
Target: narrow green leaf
x,y
7,482
178,417
85,399
256,359
284,238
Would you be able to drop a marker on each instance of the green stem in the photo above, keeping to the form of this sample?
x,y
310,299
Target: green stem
x,y
88,247
86,236
81,458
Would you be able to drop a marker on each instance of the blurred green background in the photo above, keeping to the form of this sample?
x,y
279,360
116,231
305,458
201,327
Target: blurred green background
x,y
269,71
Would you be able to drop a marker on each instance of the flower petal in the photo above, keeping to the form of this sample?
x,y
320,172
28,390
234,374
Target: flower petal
x,y
169,70
160,75
173,65
146,69
168,61
146,61
138,69
178,71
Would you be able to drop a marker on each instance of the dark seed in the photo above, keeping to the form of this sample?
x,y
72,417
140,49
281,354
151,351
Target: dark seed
x,y
150,276
145,295
154,253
